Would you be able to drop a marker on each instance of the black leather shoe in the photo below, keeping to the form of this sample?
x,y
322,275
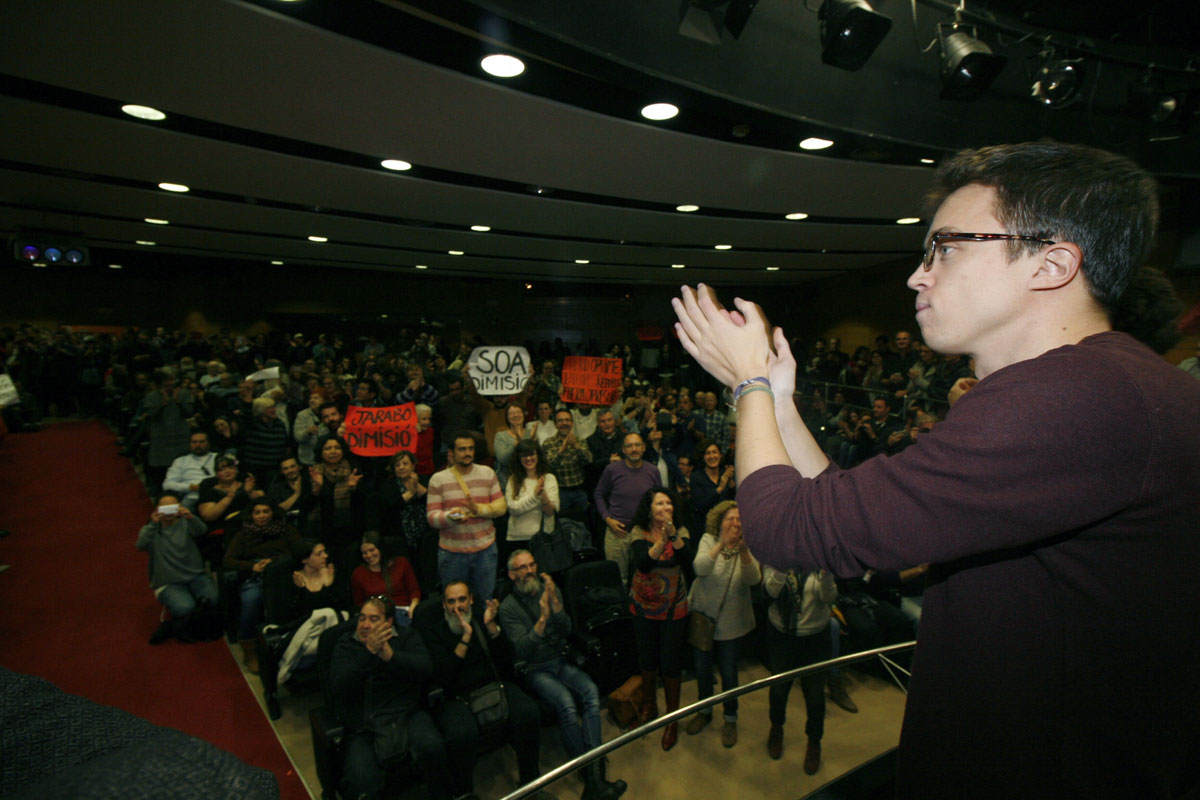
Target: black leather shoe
x,y
164,631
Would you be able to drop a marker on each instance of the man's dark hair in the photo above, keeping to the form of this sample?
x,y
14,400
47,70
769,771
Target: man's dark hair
x,y
372,386
564,411
1100,201
464,434
1149,311
326,405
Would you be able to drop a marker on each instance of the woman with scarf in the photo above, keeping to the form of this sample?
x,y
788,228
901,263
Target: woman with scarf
x,y
659,547
262,538
725,571
340,517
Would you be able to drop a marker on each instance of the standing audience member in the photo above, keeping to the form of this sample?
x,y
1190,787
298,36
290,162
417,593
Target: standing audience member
x,y
567,456
660,545
340,507
711,482
266,441
622,487
506,439
463,500
177,575
531,494
167,408
307,428
725,571
400,502
798,635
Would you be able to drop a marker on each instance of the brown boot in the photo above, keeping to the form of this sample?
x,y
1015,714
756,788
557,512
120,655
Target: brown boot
x,y
250,655
671,732
812,756
648,710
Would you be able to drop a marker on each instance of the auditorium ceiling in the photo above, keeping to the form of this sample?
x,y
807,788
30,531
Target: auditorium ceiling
x,y
278,116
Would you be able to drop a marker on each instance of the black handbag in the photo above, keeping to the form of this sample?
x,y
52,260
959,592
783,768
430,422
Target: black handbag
x,y
389,732
551,551
489,703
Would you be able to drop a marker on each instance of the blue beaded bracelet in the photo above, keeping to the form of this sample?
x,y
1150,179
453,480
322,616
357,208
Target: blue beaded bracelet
x,y
741,387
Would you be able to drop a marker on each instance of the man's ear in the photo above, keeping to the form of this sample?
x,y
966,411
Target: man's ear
x,y
1057,266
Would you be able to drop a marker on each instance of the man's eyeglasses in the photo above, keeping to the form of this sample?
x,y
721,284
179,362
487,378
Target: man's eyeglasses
x,y
954,236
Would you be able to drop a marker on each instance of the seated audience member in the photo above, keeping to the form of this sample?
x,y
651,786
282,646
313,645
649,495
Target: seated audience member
x,y
531,493
226,495
266,441
186,472
463,500
263,537
307,429
533,618
567,457
659,547
725,571
401,502
386,574
379,671
314,580
426,441
460,655
622,486
177,575
798,635
291,491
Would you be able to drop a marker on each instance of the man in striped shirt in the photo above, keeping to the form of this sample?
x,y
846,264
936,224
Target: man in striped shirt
x,y
462,501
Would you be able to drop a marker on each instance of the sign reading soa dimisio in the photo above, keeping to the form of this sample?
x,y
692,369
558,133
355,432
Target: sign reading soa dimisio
x,y
499,370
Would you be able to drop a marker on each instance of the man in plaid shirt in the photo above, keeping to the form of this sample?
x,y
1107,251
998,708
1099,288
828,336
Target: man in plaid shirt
x,y
566,457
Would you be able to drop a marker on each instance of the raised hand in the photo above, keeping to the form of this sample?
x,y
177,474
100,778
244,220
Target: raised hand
x,y
353,478
730,345
317,477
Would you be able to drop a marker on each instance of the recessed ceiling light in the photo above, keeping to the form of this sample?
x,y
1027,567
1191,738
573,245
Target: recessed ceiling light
x,y
455,252
318,239
772,269
678,266
687,208
582,261
39,263
660,111
115,266
908,220
395,164
154,221
143,112
481,228
145,242
421,266
815,143
926,160
528,285
502,66
722,247
796,215
277,263
173,187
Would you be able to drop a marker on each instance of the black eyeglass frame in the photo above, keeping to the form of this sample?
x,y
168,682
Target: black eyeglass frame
x,y
955,236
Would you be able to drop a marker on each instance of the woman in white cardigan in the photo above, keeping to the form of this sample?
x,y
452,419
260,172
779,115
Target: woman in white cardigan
x,y
532,496
725,571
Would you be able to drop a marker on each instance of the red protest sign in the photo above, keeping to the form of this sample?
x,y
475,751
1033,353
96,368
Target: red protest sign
x,y
591,381
381,431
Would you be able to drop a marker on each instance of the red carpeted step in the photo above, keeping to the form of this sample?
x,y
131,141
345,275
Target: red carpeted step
x,y
76,607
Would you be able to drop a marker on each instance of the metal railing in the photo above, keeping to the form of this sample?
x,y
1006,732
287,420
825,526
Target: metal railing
x,y
882,653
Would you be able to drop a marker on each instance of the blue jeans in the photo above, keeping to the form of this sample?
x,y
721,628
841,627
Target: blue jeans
x,y
562,685
251,591
572,499
181,598
477,569
726,657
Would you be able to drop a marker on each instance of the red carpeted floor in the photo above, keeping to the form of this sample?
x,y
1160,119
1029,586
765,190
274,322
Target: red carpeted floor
x,y
75,603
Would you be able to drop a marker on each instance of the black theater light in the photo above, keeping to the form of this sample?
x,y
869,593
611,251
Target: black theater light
x,y
850,32
968,65
48,249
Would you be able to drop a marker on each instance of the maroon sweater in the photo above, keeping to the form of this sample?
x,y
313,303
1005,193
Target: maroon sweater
x,y
1060,505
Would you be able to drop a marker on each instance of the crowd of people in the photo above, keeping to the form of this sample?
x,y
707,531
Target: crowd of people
x,y
246,471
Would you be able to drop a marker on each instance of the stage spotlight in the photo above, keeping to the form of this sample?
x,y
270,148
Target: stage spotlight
x,y
968,66
1058,82
850,32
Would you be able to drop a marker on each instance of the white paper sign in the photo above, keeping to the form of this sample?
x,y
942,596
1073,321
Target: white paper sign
x,y
8,392
268,374
499,370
